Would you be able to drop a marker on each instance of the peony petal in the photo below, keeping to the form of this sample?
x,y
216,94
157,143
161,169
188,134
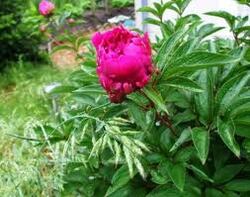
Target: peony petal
x,y
97,39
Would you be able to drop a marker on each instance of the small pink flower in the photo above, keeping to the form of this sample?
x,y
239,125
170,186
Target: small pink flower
x,y
124,61
46,7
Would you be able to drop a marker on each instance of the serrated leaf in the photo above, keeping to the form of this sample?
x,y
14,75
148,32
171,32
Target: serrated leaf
x,y
118,151
129,160
139,167
201,140
226,133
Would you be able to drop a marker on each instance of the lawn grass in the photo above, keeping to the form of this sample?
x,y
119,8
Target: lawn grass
x,y
24,168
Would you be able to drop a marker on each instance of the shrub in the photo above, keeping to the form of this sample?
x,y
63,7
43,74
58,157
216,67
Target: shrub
x,y
15,37
185,134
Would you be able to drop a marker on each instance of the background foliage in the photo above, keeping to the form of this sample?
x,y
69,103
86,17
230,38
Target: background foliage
x,y
16,38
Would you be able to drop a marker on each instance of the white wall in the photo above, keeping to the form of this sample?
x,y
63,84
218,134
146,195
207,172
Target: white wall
x,y
195,7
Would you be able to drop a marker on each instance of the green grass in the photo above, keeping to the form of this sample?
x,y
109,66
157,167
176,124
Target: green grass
x,y
25,169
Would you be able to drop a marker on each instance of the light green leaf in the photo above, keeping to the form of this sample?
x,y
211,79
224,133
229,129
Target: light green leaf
x,y
129,160
185,136
200,173
156,98
168,47
201,140
149,10
199,60
181,83
229,18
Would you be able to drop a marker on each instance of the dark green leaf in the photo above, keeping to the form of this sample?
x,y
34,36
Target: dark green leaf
x,y
226,173
163,191
137,114
177,173
211,192
226,132
120,178
239,185
200,173
201,141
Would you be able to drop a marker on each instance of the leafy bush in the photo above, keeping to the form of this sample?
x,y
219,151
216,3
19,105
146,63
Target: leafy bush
x,y
24,169
185,134
122,3
15,38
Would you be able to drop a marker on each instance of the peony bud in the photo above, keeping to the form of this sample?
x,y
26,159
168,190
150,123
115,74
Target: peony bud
x,y
46,7
43,28
71,20
124,61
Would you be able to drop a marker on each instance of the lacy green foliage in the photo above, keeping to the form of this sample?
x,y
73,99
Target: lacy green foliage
x,y
185,134
26,170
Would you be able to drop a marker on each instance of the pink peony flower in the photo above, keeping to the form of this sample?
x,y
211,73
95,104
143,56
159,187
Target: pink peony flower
x,y
124,61
46,7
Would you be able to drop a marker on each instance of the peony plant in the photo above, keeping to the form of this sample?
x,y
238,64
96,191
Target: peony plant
x,y
173,119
